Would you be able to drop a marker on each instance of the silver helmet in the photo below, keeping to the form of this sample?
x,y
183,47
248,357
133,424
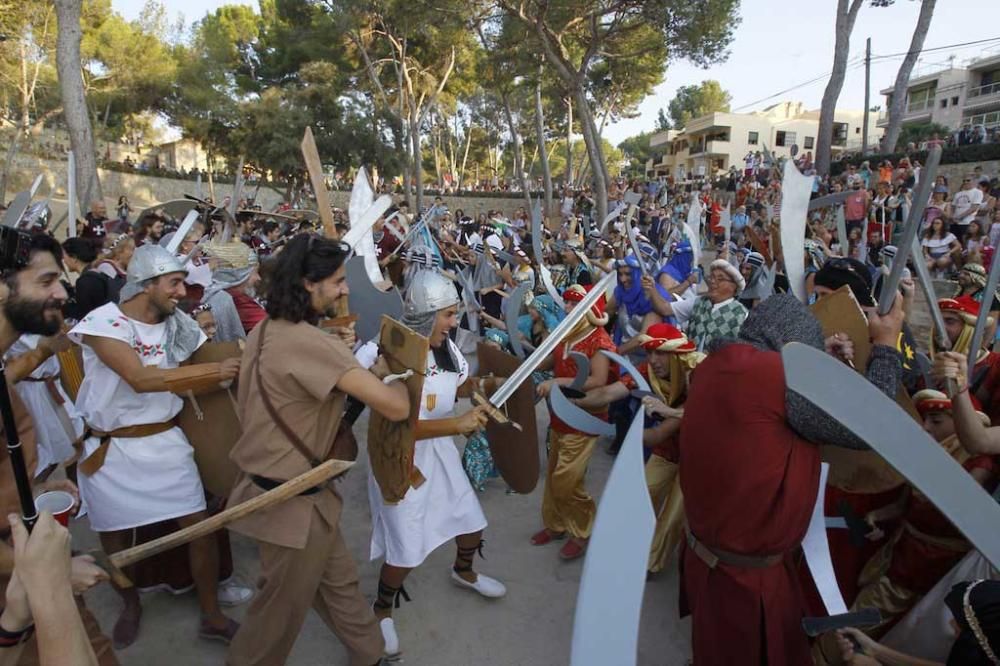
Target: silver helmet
x,y
152,261
429,291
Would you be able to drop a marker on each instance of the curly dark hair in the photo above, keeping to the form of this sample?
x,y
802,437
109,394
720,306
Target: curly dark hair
x,y
306,257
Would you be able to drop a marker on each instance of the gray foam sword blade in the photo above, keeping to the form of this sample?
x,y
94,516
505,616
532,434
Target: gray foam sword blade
x,y
878,421
920,199
609,604
627,366
511,311
577,417
582,370
182,231
368,302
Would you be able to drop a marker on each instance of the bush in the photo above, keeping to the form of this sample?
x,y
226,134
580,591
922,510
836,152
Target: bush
x,y
978,152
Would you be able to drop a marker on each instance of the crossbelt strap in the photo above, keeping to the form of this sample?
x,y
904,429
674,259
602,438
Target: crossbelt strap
x,y
269,406
50,385
95,460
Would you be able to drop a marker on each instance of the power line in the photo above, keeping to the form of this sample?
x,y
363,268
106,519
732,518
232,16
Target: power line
x,y
852,64
936,48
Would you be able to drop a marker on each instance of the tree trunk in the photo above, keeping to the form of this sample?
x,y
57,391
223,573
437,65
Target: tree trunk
x,y
569,141
593,143
898,107
845,25
416,166
516,140
74,101
465,157
542,152
8,163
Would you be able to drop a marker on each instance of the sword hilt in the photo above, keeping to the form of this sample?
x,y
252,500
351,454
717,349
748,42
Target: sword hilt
x,y
492,412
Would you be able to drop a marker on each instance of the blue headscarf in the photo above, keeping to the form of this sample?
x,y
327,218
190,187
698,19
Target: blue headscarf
x,y
680,265
549,310
634,298
498,336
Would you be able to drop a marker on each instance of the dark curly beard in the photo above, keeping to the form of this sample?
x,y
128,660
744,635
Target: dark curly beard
x,y
29,316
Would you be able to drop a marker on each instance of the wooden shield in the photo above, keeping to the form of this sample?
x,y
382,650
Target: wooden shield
x,y
390,444
210,423
850,470
514,453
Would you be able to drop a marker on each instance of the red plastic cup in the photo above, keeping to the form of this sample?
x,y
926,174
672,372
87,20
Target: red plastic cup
x,y
57,502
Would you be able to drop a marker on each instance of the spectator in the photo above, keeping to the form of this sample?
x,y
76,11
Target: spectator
x,y
941,248
93,288
964,207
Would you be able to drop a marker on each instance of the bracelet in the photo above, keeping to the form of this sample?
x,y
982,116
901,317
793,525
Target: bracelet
x,y
12,638
388,379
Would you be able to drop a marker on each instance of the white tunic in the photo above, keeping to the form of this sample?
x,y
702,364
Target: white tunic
x,y
445,505
144,479
56,427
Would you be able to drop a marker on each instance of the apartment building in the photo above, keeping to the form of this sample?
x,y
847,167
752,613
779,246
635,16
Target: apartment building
x,y
953,96
711,144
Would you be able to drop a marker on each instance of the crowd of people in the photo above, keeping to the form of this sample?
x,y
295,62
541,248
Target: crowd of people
x,y
692,289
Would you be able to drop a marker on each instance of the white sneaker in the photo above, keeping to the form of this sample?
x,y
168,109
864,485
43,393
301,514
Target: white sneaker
x,y
484,585
390,637
234,594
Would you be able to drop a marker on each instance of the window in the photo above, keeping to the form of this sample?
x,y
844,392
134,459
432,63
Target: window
x,y
752,138
857,130
840,131
954,101
944,103
783,138
809,142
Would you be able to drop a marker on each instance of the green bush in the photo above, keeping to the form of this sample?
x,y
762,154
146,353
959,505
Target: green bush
x,y
979,152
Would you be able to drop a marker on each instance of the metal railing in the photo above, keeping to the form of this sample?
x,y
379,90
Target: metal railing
x,y
983,91
991,119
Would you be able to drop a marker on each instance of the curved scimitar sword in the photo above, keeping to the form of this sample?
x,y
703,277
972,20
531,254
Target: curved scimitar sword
x,y
795,192
577,418
369,302
609,604
582,370
511,311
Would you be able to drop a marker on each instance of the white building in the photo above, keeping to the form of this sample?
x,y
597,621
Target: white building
x,y
712,144
953,96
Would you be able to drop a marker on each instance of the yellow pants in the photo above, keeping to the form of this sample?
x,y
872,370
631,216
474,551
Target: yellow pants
x,y
566,504
668,505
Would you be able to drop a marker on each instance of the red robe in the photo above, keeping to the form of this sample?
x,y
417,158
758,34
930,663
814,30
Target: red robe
x,y
565,366
250,311
749,485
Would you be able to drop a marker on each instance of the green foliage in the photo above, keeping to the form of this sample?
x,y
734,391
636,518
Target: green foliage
x,y
917,132
662,121
636,150
695,101
980,152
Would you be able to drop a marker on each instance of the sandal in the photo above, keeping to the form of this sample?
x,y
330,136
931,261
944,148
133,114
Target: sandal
x,y
546,536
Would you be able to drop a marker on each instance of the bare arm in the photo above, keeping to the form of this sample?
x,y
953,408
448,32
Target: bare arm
x,y
603,396
660,432
466,424
123,360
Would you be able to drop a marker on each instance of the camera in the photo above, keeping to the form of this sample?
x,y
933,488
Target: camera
x,y
15,249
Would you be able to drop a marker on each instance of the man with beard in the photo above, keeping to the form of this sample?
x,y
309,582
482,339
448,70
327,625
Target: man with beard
x,y
291,405
32,297
749,497
138,467
94,230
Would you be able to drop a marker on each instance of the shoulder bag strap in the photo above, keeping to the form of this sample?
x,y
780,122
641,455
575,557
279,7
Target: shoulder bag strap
x,y
269,406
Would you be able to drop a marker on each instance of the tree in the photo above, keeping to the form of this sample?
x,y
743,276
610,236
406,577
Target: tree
x,y
75,111
636,150
847,13
917,132
697,100
578,35
897,105
662,121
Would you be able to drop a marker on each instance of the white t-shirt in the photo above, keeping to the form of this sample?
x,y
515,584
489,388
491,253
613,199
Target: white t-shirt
x,y
963,203
938,247
567,206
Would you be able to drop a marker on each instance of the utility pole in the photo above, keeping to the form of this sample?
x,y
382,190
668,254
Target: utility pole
x,y
868,79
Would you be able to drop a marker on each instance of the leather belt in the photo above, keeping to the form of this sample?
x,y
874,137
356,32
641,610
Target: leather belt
x,y
713,556
95,460
270,484
50,385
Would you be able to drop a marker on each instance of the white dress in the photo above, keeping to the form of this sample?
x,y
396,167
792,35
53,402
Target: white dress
x,y
144,479
56,427
445,505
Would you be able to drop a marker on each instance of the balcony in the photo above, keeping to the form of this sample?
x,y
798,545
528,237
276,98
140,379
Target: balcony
x,y
914,111
717,147
988,94
986,119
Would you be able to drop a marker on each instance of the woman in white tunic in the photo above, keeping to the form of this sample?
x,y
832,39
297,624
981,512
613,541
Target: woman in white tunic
x,y
445,506
57,422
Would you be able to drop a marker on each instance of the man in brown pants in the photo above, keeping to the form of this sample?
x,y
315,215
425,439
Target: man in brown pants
x,y
291,403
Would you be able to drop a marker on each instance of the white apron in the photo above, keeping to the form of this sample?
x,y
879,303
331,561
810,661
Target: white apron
x,y
56,426
445,505
144,479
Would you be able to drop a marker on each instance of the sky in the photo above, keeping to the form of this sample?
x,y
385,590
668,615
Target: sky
x,y
783,43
